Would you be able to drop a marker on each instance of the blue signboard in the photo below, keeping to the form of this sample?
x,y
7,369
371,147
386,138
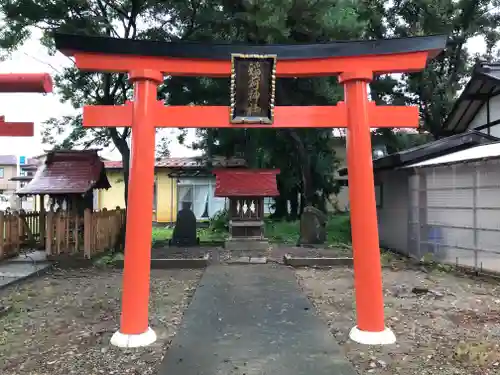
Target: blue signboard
x,y
22,160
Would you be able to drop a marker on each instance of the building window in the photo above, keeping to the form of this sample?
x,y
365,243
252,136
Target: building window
x,y
269,205
2,172
200,194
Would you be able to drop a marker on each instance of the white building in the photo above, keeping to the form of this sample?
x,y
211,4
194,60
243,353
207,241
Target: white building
x,y
444,197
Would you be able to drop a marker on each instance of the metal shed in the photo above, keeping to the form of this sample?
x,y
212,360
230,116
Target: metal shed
x,y
448,206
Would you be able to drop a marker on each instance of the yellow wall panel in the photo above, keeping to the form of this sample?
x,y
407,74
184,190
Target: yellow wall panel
x,y
166,203
166,194
114,196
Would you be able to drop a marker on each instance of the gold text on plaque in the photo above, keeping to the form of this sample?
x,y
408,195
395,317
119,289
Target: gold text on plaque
x,y
254,76
252,88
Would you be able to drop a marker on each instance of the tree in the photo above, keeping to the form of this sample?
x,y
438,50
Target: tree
x,y
436,88
304,156
129,19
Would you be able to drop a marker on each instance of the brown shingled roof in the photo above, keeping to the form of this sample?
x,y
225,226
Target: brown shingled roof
x,y
68,172
181,163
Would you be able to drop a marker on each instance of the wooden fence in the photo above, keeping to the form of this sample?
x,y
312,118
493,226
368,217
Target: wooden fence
x,y
60,232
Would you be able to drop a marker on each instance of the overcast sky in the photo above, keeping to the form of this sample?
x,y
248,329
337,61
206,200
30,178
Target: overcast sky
x,y
32,58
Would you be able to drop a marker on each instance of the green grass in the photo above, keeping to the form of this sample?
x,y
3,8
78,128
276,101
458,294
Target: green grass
x,y
338,230
286,232
205,234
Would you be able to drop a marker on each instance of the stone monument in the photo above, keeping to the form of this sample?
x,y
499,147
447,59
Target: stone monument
x,y
185,228
312,226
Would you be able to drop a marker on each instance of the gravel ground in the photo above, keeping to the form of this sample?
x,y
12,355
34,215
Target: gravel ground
x,y
194,252
452,329
61,324
219,255
280,250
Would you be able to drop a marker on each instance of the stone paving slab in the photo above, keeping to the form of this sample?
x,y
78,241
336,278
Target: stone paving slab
x,y
4,281
19,268
252,321
31,256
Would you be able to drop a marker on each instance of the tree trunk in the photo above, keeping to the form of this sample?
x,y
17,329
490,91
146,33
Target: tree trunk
x,y
294,205
126,170
302,203
305,169
126,166
121,144
281,211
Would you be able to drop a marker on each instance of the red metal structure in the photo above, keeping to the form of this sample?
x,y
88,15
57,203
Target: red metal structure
x,y
354,62
22,83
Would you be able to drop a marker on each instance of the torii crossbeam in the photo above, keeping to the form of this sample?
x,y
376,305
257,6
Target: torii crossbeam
x,y
355,63
22,83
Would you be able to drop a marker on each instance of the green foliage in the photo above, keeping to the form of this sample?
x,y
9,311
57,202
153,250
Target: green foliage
x,y
162,234
304,156
430,262
108,260
123,19
481,354
282,231
286,232
436,88
338,230
220,221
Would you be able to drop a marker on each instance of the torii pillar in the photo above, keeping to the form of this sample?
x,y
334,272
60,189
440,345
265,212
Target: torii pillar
x,y
354,62
22,83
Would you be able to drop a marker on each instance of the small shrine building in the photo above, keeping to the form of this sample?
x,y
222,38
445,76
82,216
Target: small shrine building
x,y
246,190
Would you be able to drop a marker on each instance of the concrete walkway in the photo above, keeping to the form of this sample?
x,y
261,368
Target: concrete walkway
x,y
23,266
252,320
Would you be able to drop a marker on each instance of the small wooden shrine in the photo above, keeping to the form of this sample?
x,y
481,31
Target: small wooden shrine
x,y
69,178
246,190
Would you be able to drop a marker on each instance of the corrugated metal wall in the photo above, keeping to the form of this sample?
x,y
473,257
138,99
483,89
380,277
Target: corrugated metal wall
x,y
454,213
393,209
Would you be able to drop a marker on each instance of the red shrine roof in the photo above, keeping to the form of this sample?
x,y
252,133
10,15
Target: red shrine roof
x,y
68,172
235,182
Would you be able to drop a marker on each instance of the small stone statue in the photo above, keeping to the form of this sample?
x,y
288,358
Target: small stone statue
x,y
185,228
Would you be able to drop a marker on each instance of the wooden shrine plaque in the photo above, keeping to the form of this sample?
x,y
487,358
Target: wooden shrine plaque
x,y
253,86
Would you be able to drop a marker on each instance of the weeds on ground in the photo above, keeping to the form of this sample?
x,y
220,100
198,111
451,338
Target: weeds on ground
x,y
286,232
338,229
205,234
475,353
108,260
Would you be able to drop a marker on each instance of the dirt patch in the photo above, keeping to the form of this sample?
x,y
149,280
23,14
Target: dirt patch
x,y
452,329
61,324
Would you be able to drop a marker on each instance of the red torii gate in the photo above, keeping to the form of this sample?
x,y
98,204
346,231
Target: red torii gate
x,y
22,83
147,62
